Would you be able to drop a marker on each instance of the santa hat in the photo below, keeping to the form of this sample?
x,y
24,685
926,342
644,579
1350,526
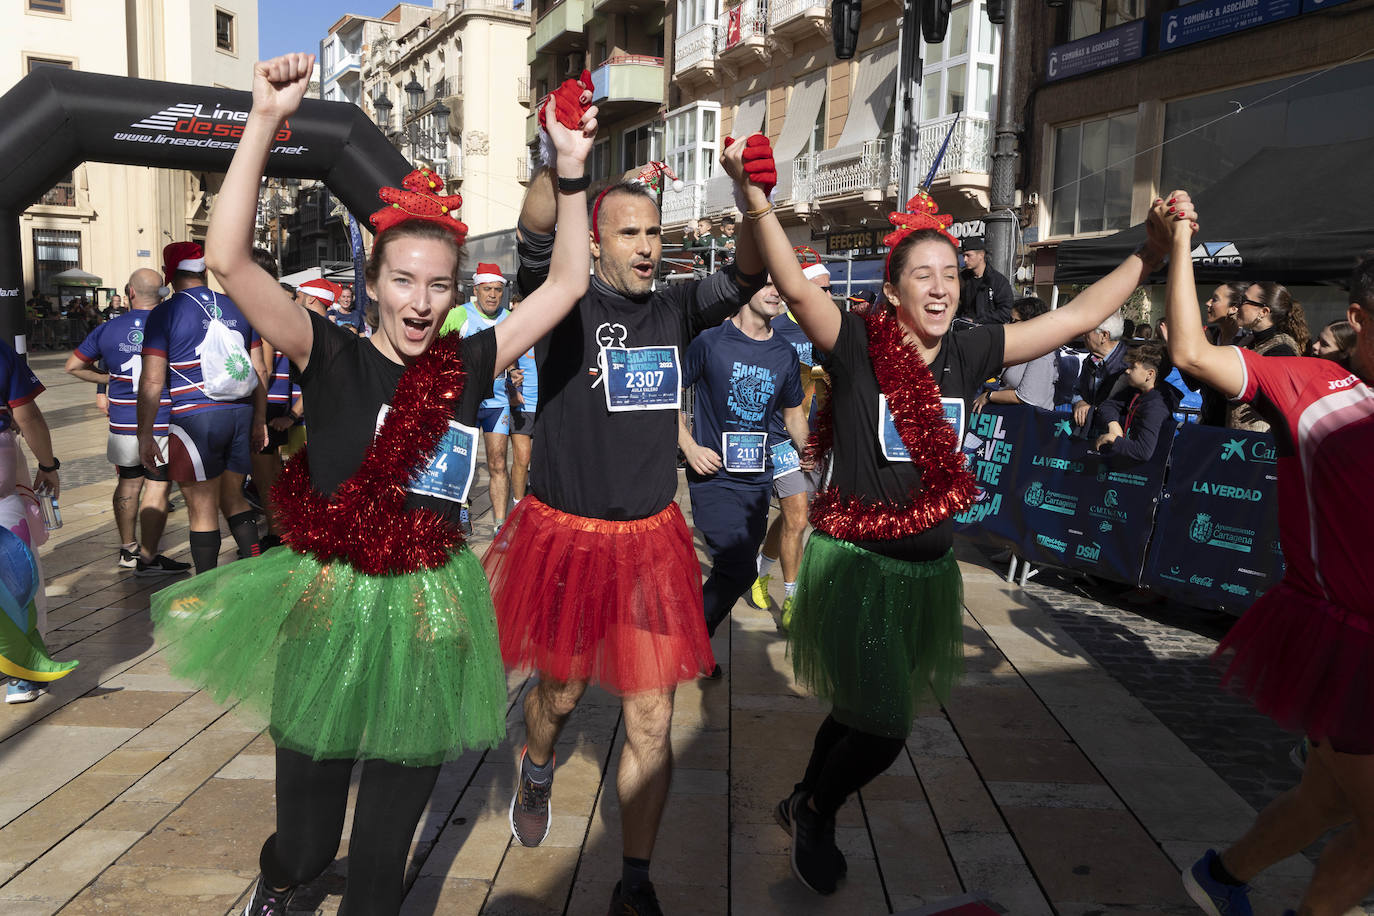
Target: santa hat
x,y
187,256
812,271
487,273
321,289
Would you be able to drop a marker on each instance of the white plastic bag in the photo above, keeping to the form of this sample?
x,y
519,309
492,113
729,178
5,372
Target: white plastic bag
x,y
226,372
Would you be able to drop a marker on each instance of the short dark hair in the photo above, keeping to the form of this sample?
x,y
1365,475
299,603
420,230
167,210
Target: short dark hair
x,y
598,206
1030,307
896,259
266,260
1150,355
1362,282
728,219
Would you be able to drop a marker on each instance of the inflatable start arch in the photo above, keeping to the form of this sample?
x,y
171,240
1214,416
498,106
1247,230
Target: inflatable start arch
x,y
53,120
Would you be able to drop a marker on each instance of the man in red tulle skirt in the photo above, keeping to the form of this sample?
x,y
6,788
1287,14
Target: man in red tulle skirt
x,y
1304,652
594,576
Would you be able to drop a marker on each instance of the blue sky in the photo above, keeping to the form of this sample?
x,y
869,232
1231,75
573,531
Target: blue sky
x,y
298,25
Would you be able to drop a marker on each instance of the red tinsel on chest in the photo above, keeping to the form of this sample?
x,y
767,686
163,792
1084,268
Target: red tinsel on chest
x,y
366,523
945,487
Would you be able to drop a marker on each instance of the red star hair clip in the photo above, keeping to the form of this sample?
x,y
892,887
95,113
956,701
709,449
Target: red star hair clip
x,y
420,197
921,213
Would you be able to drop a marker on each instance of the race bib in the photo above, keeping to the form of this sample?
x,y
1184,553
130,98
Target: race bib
x,y
890,441
450,470
785,459
743,452
642,378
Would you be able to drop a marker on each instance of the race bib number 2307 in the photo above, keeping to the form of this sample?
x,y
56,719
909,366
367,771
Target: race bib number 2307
x,y
642,378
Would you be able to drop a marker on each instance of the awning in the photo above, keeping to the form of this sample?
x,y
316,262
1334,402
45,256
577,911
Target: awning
x,y
802,108
873,95
75,277
1295,215
749,118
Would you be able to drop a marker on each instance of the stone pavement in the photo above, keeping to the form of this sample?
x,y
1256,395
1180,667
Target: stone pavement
x,y
1046,786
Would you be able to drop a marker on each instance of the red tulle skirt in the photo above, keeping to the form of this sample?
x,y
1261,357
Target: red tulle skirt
x,y
1306,663
614,603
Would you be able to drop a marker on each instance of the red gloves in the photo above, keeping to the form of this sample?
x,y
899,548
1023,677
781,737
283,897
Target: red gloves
x,y
567,103
759,166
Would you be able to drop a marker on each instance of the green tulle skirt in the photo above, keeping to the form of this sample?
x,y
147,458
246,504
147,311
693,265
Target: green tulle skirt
x,y
872,635
402,668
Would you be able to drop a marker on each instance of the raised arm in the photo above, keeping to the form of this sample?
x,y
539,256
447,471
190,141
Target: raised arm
x,y
1192,353
570,267
1026,340
278,86
810,305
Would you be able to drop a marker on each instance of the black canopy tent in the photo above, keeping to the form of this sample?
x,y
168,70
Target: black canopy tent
x,y
1296,215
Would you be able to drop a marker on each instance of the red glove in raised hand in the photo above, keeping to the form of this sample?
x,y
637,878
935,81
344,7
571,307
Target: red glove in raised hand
x,y
567,101
759,166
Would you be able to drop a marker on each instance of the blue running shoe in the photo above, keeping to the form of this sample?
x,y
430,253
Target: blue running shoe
x,y
1214,897
21,691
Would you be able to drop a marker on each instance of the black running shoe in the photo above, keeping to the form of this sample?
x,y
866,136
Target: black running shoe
x,y
128,559
464,521
641,902
160,565
530,812
815,857
267,902
267,542
782,813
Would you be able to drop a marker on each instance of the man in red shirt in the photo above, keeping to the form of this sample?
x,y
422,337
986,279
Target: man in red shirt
x,y
1304,652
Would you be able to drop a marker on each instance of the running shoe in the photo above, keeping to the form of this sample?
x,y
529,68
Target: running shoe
x,y
782,813
1214,897
758,594
787,606
267,902
464,521
815,857
530,812
128,559
641,902
21,691
160,565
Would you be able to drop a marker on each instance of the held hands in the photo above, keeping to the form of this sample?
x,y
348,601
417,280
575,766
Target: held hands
x,y
572,129
1170,218
279,84
703,460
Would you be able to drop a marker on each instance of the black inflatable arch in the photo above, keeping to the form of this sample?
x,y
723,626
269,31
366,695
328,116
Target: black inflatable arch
x,y
53,120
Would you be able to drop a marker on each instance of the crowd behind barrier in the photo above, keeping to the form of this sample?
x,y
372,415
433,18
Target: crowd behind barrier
x,y
1197,522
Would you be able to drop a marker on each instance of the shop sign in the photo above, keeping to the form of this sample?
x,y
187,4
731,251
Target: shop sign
x,y
1214,18
1105,49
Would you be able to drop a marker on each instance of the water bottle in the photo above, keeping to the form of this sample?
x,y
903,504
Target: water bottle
x,y
52,515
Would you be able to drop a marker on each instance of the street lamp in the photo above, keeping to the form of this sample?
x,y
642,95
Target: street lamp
x,y
381,106
415,95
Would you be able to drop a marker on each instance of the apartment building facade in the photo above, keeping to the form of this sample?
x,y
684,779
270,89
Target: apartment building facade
x,y
108,219
770,66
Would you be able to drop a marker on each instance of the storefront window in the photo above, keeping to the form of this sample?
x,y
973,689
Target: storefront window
x,y
1093,165
54,250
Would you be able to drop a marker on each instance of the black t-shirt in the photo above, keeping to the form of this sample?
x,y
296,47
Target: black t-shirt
x,y
858,466
587,459
345,385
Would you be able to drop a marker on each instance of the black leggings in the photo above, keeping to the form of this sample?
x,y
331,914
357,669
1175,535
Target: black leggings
x,y
312,796
843,761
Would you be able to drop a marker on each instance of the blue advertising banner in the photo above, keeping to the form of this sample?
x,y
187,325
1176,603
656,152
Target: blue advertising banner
x,y
993,443
1214,18
1312,6
1105,49
1218,540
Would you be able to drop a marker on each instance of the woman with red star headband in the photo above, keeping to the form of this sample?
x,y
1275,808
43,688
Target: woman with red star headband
x,y
370,635
878,610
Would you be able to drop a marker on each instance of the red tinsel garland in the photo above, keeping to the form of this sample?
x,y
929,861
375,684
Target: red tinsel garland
x,y
366,523
945,488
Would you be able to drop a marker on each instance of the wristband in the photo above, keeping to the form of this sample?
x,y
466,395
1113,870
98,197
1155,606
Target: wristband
x,y
48,470
759,213
573,185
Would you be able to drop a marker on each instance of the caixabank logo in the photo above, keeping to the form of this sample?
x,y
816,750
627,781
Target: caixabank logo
x,y
194,124
1218,254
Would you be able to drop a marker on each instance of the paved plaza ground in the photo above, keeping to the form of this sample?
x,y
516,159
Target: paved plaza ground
x,y
1085,757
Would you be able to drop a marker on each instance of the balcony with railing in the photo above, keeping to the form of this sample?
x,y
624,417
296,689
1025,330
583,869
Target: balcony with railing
x,y
523,93
522,169
694,54
559,29
794,20
969,151
683,206
345,63
859,169
743,34
626,83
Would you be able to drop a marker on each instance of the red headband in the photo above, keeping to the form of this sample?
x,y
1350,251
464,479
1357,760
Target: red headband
x,y
596,209
921,213
416,199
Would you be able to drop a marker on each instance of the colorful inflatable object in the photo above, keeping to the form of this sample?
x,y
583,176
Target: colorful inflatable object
x,y
22,652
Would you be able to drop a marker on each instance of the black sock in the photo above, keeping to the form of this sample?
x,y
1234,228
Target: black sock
x,y
205,549
635,874
244,528
1219,873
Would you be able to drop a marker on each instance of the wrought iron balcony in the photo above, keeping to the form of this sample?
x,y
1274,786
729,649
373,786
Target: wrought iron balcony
x,y
694,54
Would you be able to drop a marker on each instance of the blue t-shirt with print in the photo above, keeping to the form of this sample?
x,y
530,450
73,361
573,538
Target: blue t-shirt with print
x,y
477,320
176,329
740,385
119,343
20,384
